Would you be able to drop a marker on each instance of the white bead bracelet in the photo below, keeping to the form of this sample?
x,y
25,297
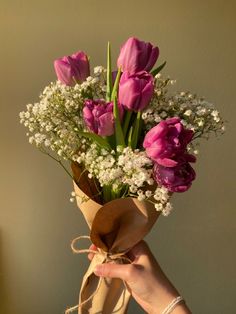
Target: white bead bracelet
x,y
172,305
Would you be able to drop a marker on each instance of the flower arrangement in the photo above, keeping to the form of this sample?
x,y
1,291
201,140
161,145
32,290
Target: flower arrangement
x,y
125,134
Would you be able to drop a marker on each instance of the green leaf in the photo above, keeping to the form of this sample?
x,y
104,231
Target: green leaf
x,y
157,70
96,138
120,141
116,85
109,74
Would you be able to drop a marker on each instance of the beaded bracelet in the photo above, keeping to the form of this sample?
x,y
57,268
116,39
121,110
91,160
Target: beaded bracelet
x,y
172,305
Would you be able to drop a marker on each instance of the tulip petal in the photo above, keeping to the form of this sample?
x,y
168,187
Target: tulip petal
x,y
106,124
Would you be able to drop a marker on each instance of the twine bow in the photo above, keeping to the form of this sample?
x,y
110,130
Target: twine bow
x,y
108,257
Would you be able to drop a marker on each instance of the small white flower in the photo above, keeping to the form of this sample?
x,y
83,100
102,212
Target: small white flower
x,y
150,181
215,113
133,189
167,209
188,113
184,122
200,122
158,206
31,139
47,142
141,197
148,193
60,152
163,114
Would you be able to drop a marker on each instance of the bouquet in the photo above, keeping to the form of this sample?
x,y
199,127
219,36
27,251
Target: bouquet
x,y
128,143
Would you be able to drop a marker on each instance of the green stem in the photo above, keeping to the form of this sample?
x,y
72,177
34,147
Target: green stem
x,y
106,191
58,161
130,136
126,189
96,186
126,123
136,131
115,193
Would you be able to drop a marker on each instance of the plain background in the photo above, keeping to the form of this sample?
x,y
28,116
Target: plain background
x,y
196,244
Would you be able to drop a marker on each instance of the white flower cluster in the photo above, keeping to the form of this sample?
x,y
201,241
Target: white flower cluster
x,y
195,113
55,121
130,172
132,168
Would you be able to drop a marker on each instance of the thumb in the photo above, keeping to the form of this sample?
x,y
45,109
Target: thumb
x,y
125,272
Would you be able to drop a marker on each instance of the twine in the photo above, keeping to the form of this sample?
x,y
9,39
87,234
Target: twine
x,y
108,257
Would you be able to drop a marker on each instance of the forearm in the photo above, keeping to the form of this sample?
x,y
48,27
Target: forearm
x,y
164,294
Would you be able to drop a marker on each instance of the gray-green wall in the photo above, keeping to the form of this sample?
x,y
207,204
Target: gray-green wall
x,y
196,244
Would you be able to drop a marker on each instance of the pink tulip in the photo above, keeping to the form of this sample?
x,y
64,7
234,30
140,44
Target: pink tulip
x,y
136,55
72,69
136,90
98,116
167,141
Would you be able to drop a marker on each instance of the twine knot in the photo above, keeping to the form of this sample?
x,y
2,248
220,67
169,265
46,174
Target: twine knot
x,y
108,257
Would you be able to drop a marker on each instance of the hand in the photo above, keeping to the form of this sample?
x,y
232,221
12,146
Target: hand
x,y
146,281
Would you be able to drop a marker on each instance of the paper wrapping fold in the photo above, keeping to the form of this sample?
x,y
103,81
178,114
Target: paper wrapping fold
x,y
115,228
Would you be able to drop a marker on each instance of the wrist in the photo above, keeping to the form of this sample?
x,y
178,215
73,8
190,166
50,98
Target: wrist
x,y
179,307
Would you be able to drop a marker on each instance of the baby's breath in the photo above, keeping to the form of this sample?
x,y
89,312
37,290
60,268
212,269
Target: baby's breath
x,y
55,124
55,121
195,112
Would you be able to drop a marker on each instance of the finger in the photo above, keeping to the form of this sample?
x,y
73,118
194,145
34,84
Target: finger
x,y
125,272
141,248
93,248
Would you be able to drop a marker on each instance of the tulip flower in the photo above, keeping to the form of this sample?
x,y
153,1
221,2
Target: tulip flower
x,y
98,116
72,69
136,90
136,55
175,179
167,141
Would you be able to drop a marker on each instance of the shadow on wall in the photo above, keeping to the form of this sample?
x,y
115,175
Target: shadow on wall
x,y
3,294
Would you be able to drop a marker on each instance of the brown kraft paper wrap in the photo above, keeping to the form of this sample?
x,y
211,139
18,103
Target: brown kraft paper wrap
x,y
115,228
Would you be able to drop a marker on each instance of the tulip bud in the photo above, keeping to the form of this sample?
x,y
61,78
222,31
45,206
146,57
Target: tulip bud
x,y
72,69
136,55
136,90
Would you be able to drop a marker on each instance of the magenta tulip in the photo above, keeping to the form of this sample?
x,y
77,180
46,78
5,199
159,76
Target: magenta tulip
x,y
167,141
98,116
175,179
136,55
136,90
72,69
